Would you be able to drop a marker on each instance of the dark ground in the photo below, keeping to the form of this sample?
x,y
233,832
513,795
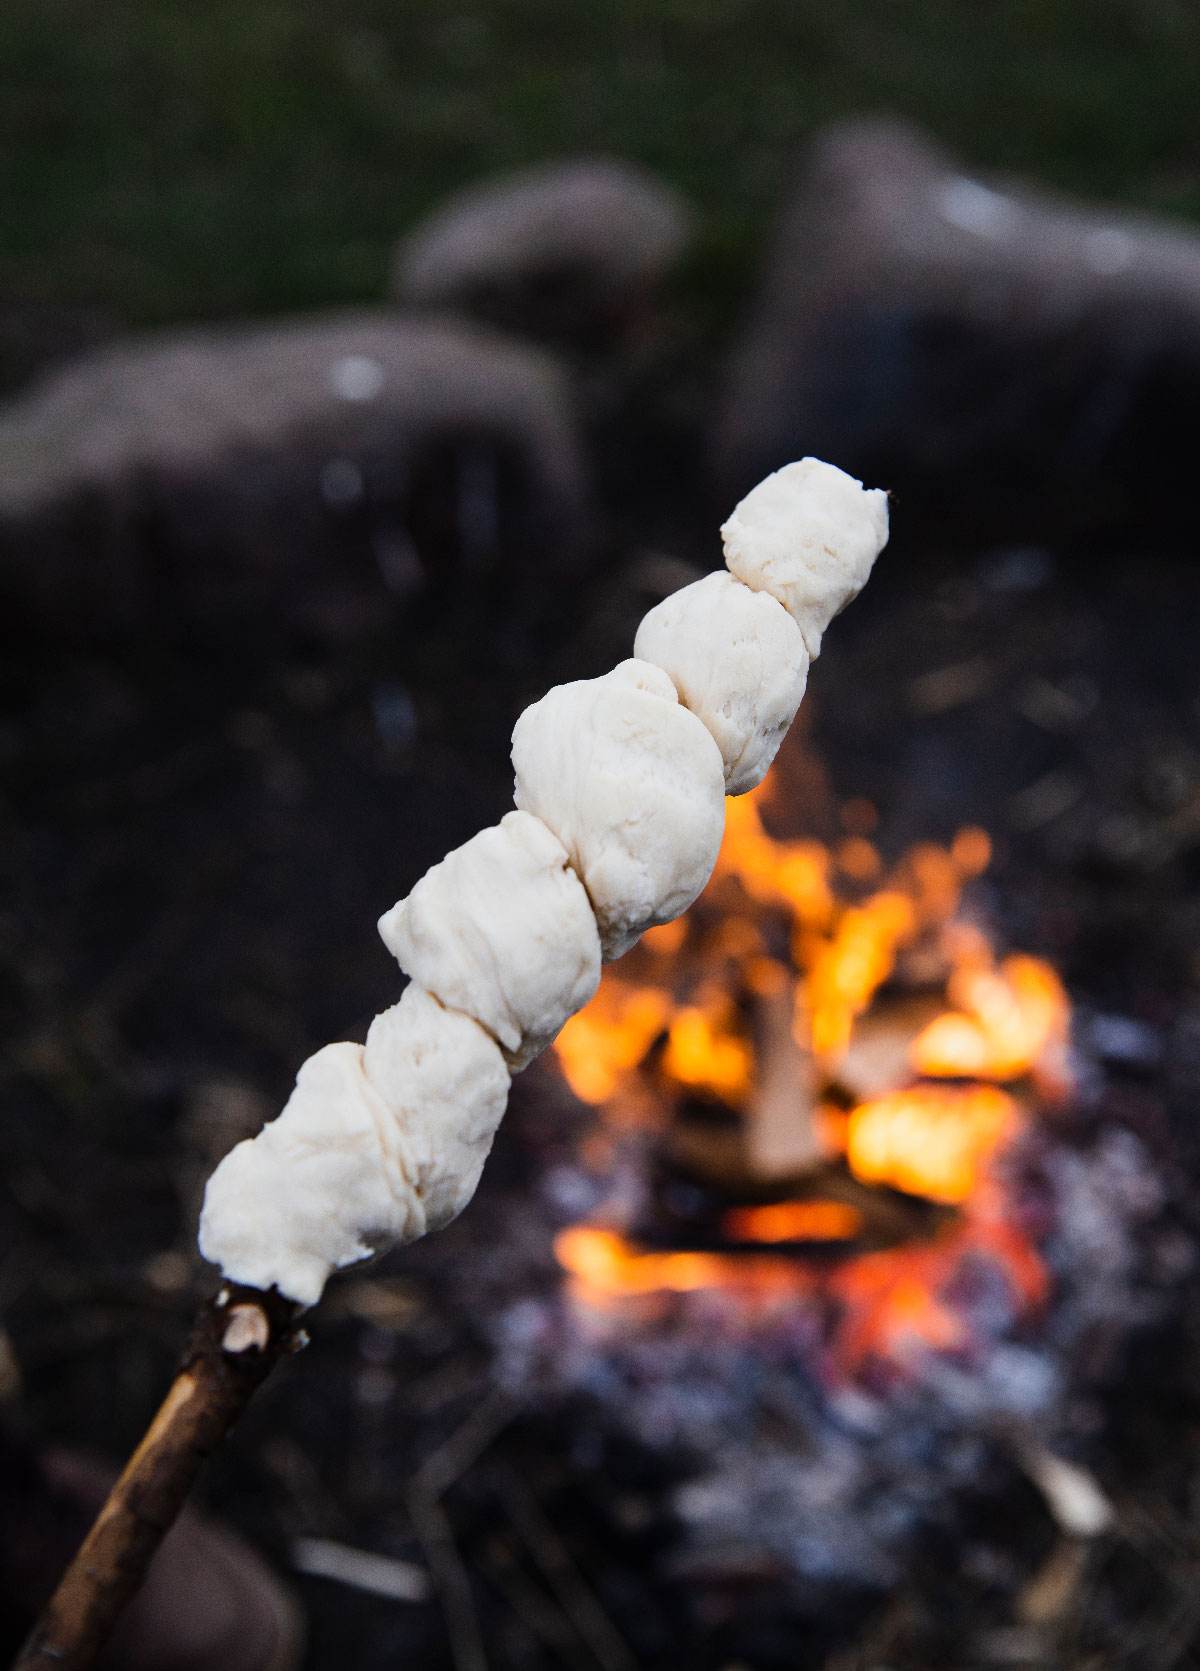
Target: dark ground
x,y
195,850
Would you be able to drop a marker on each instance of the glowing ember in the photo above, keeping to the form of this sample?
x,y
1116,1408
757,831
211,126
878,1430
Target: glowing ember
x,y
893,1309
899,1302
607,1267
930,1140
793,1221
889,1306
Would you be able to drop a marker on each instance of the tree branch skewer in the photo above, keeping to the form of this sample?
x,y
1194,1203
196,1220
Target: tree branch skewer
x,y
239,1337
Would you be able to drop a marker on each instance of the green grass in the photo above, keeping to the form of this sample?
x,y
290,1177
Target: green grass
x,y
164,159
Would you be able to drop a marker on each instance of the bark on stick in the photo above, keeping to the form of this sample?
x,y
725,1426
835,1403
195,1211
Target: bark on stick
x,y
239,1337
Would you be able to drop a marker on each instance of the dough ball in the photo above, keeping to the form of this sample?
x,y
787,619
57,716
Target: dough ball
x,y
502,929
808,535
445,1084
320,1187
738,662
633,786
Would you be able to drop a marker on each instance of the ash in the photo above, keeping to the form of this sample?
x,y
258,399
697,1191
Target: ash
x,y
802,1473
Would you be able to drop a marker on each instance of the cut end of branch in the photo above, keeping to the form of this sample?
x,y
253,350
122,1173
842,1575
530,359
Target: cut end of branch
x,y
247,1330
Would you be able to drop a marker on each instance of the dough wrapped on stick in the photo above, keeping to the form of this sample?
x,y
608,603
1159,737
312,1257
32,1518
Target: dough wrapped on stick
x,y
502,929
633,785
808,535
739,663
374,1146
620,790
446,1085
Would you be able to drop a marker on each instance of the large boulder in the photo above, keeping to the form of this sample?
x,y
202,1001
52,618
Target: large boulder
x,y
325,475
959,336
570,249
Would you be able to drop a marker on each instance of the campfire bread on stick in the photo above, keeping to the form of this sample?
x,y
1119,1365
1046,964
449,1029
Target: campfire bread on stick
x,y
620,785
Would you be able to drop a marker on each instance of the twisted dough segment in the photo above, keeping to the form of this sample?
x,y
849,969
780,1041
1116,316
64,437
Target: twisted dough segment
x,y
738,662
633,786
502,929
808,535
373,1146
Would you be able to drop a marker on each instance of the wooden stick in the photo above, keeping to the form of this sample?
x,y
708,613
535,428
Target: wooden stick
x,y
239,1337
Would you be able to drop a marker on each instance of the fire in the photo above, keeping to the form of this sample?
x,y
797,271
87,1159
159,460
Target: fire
x,y
793,933
607,1267
892,1307
1005,1021
793,1221
900,1302
610,1036
794,874
889,1307
851,966
931,1140
705,1051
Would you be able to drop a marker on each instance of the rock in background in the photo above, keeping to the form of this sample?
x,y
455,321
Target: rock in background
x,y
970,342
571,250
318,477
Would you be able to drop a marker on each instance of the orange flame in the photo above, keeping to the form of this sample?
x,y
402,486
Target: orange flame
x,y
897,1303
931,1140
849,968
892,1305
790,873
705,1052
1005,1021
610,1036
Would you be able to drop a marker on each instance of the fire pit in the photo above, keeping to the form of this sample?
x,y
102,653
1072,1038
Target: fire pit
x,y
836,1240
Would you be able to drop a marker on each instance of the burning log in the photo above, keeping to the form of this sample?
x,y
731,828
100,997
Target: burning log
x,y
783,1136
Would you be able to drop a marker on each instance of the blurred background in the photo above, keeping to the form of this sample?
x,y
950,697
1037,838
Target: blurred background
x,y
164,163
364,371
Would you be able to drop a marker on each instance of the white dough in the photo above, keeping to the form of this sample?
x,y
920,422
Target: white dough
x,y
808,535
502,929
374,1146
738,662
316,1189
444,1080
633,785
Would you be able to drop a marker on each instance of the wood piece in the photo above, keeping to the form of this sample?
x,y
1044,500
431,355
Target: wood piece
x,y
782,1137
239,1337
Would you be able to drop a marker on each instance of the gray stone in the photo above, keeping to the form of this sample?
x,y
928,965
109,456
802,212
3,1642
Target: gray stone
x,y
319,469
569,248
939,326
